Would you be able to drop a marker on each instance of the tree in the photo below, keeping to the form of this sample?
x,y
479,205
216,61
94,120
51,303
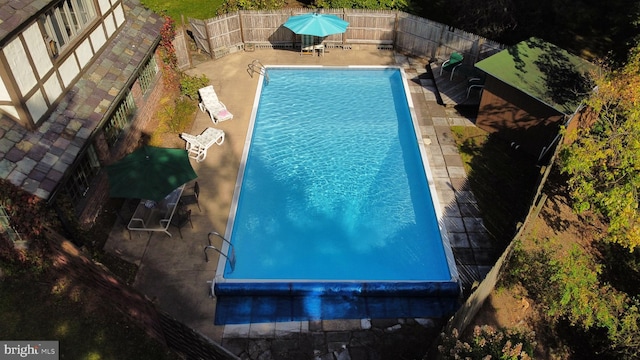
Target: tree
x,y
235,5
364,4
603,162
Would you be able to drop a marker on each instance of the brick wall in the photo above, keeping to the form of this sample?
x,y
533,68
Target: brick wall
x,y
149,103
142,125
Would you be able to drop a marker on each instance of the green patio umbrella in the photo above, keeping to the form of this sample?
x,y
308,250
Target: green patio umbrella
x,y
149,173
316,24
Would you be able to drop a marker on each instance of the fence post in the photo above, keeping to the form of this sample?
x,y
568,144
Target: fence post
x,y
395,31
241,26
436,50
206,33
479,49
293,35
343,35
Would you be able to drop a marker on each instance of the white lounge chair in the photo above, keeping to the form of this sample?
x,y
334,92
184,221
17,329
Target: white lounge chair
x,y
209,102
197,145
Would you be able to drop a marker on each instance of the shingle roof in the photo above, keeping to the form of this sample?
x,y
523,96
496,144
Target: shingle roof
x,y
37,160
13,13
543,71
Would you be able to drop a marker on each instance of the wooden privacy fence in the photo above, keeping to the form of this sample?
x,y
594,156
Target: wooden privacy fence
x,y
384,29
465,315
182,50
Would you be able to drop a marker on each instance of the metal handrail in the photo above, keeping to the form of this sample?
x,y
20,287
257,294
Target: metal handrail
x,y
262,70
230,255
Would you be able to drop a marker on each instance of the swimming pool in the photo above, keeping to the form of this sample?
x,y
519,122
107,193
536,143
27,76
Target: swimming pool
x,y
333,214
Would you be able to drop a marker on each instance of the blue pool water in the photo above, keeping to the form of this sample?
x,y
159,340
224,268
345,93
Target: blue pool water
x,y
334,206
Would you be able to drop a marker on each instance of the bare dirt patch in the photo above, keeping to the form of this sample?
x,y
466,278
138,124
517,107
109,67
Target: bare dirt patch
x,y
556,224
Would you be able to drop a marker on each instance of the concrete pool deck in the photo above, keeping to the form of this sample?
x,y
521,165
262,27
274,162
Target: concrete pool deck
x,y
173,272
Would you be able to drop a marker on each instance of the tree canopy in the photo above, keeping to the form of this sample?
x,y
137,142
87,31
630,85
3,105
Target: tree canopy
x,y
590,28
603,161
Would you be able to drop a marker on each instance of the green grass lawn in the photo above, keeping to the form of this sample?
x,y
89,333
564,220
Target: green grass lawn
x,y
198,9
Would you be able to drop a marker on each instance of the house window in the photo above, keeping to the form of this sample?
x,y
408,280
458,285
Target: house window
x,y
79,183
148,74
66,21
120,119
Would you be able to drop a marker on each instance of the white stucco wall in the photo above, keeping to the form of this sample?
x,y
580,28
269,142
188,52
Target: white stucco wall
x,y
4,94
118,13
68,70
104,6
38,49
52,88
11,110
20,68
84,53
36,105
109,25
97,38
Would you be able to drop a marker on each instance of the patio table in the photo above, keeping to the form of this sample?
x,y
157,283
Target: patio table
x,y
155,216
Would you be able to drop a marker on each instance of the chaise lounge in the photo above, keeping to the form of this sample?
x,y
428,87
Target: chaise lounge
x,y
197,145
210,103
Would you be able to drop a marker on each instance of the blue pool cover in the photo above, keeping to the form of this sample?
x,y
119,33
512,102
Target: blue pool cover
x,y
241,303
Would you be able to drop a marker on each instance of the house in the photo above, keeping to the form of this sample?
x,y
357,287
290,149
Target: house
x,y
78,83
531,89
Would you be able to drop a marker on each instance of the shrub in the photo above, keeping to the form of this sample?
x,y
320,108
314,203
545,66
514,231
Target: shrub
x,y
235,5
174,117
189,85
489,343
364,4
28,215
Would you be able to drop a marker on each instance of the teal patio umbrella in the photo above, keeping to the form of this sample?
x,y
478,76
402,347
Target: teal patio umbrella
x,y
316,24
149,173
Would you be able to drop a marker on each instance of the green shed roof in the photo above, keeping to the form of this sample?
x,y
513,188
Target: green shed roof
x,y
543,71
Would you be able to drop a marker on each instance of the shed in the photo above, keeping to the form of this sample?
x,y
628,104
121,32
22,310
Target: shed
x,y
531,89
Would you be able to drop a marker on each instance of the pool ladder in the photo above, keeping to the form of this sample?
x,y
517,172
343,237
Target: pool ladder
x,y
231,252
257,67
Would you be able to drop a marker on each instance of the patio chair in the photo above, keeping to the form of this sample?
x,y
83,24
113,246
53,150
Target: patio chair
x,y
210,103
197,145
451,64
211,136
307,47
193,197
126,213
475,83
180,219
